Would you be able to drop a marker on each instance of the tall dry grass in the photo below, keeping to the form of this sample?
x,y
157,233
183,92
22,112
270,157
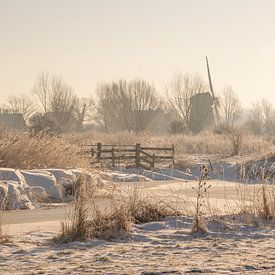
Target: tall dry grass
x,y
3,236
199,225
203,143
144,208
20,150
1,228
88,221
259,205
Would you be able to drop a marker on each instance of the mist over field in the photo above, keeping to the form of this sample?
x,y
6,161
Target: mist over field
x,y
137,137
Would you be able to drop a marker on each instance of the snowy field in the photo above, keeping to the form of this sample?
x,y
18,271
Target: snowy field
x,y
164,247
161,247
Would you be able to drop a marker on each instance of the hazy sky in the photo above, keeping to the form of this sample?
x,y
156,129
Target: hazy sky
x,y
91,41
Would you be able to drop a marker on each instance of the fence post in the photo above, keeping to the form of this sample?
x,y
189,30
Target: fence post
x,y
98,151
137,155
153,162
92,152
113,157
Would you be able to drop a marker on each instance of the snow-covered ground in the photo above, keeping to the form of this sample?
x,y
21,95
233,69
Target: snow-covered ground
x,y
164,247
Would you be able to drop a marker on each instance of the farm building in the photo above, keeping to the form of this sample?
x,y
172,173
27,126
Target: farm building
x,y
62,121
13,121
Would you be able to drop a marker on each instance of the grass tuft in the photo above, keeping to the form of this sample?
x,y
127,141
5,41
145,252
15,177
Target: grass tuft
x,y
116,223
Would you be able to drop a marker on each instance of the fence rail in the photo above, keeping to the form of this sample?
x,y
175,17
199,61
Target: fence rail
x,y
140,156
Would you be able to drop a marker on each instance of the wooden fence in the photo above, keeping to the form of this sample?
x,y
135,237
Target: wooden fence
x,y
140,156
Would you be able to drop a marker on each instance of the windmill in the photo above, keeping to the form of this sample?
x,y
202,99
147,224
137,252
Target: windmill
x,y
212,93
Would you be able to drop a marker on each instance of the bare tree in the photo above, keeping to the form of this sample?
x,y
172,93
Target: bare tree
x,y
42,90
179,92
143,103
231,107
20,104
262,118
57,100
126,105
53,94
268,117
255,120
108,106
84,110
61,97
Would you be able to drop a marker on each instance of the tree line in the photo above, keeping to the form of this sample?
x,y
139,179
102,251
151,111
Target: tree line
x,y
132,105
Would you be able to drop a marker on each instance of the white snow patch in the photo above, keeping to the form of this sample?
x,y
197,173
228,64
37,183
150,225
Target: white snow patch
x,y
9,174
14,196
47,181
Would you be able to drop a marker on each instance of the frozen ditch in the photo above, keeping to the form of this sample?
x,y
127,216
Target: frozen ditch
x,y
221,171
25,189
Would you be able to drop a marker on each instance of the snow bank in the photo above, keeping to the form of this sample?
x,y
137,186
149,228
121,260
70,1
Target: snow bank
x,y
100,178
14,196
38,194
9,174
64,178
45,180
43,185
22,187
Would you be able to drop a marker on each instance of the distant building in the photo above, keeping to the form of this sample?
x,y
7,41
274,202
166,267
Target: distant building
x,y
156,121
61,121
160,123
201,114
12,121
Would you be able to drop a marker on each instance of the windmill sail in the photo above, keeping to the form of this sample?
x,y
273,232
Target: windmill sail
x,y
212,92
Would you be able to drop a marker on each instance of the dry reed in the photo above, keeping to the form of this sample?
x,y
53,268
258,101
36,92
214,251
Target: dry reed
x,y
3,236
20,150
110,224
144,209
185,144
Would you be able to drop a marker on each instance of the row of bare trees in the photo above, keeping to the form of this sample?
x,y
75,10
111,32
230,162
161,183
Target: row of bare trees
x,y
183,87
130,105
58,98
261,120
55,105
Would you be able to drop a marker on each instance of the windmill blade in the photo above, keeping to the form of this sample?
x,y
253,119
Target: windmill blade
x,y
212,91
